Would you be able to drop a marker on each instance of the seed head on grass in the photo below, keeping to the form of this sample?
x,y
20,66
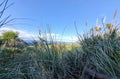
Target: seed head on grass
x,y
109,26
98,28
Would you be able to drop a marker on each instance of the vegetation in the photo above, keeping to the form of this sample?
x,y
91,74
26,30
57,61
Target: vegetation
x,y
95,56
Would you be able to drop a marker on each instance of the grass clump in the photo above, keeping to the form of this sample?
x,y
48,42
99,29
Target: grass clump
x,y
97,56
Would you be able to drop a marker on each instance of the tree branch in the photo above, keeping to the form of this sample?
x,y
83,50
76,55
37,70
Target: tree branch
x,y
4,5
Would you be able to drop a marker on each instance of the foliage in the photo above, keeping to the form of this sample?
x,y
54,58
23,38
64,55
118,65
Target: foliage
x,y
97,53
10,35
97,56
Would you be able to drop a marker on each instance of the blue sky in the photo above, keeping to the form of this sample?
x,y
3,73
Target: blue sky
x,y
60,15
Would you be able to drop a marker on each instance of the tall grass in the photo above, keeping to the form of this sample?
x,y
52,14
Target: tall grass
x,y
97,56
44,60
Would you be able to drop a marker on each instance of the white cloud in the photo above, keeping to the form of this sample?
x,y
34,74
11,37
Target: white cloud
x,y
60,38
70,38
28,36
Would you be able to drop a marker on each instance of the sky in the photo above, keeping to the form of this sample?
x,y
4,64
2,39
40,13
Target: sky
x,y
58,16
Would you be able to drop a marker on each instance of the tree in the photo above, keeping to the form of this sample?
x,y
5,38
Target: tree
x,y
10,37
